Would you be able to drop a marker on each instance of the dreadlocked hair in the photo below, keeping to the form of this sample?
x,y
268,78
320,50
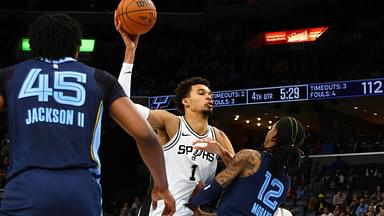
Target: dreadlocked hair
x,y
286,152
55,36
183,89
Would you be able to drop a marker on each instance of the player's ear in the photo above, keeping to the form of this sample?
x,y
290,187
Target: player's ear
x,y
185,102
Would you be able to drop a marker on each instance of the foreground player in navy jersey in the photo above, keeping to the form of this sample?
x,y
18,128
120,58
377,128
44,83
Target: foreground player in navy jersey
x,y
255,183
55,106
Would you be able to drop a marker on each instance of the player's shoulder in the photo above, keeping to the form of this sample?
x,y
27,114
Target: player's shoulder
x,y
220,135
248,156
223,139
165,114
102,75
217,130
7,69
249,160
6,73
164,120
99,71
248,153
13,67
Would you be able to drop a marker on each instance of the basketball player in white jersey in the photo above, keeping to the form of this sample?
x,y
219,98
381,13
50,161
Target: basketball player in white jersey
x,y
185,166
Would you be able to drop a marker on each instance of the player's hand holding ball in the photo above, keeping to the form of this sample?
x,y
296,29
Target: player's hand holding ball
x,y
133,18
137,16
130,41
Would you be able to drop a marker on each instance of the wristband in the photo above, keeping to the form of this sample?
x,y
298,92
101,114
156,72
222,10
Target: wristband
x,y
125,77
126,68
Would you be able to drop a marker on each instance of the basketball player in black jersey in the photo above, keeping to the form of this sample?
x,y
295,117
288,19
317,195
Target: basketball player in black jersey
x,y
55,106
255,183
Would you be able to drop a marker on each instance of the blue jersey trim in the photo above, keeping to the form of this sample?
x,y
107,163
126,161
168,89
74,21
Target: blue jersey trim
x,y
96,135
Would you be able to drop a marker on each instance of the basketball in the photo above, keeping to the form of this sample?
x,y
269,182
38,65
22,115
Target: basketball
x,y
137,16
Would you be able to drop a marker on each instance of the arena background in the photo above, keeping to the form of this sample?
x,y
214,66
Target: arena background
x,y
223,40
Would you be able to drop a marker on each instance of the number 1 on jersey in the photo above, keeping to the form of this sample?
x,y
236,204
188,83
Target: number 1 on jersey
x,y
194,167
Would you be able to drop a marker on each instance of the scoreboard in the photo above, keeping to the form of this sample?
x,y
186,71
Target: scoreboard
x,y
290,93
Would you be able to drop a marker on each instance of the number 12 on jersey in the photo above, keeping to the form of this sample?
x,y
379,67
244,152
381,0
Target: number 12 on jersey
x,y
269,197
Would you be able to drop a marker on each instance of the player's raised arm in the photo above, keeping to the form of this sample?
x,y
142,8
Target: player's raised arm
x,y
158,119
131,42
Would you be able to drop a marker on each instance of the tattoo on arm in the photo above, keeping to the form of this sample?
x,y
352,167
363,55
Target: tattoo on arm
x,y
234,168
252,165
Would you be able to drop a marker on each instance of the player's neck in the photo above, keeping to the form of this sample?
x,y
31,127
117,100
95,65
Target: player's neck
x,y
197,121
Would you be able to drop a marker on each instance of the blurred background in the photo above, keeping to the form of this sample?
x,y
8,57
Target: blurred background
x,y
230,42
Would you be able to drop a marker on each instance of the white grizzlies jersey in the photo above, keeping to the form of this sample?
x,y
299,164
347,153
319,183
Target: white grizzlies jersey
x,y
186,166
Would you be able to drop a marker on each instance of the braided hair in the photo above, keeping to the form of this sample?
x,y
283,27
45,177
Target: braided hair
x,y
286,152
55,36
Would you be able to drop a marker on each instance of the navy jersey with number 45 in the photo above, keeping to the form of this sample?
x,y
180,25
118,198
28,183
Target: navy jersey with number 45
x,y
258,194
55,110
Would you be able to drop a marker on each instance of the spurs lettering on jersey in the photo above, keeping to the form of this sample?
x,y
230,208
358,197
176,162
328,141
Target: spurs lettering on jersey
x,y
189,151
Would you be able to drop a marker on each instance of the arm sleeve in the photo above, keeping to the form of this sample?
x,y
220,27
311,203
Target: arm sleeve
x,y
209,192
125,77
111,88
143,110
